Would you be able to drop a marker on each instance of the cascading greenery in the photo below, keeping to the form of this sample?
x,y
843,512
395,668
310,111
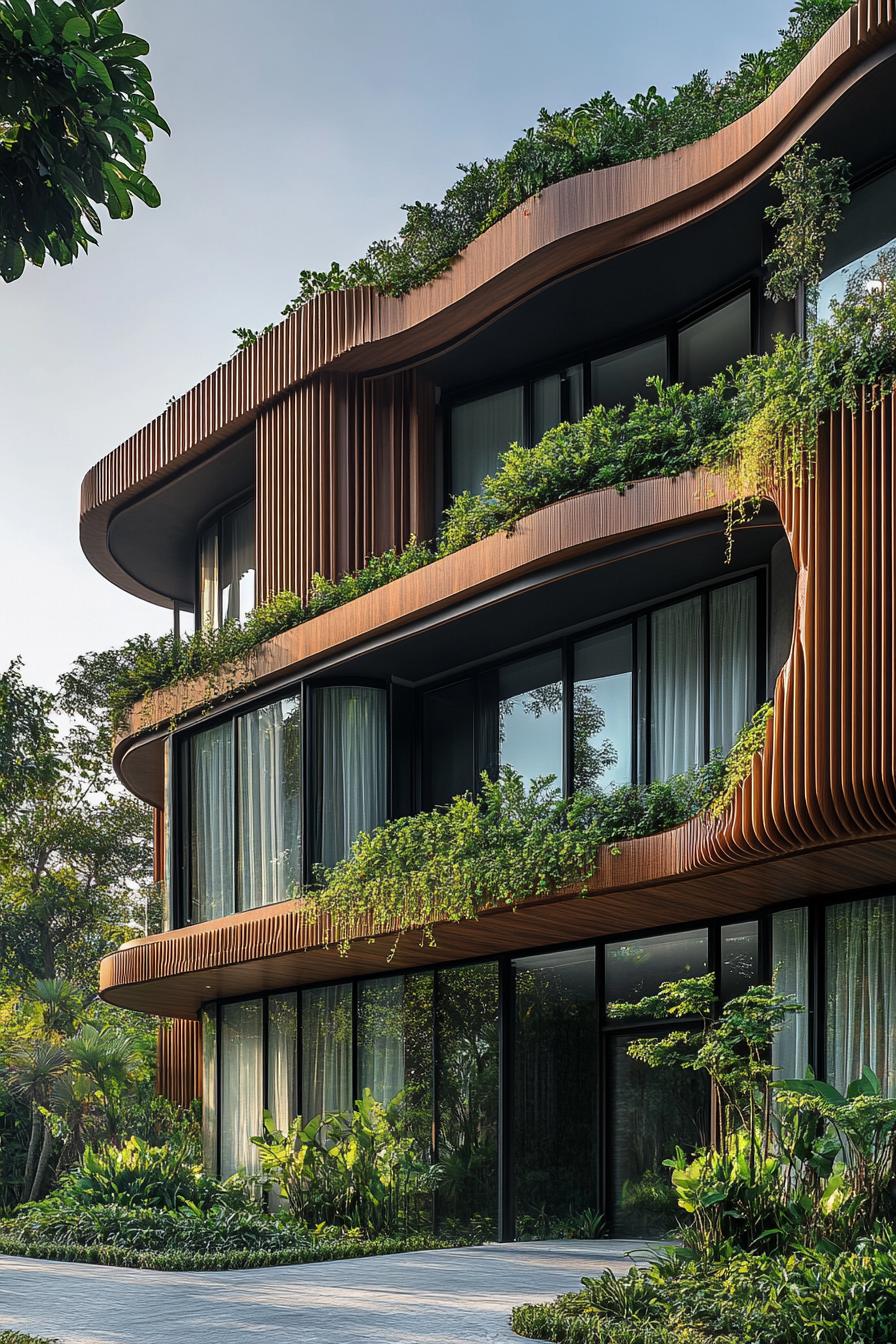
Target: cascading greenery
x,y
756,423
597,134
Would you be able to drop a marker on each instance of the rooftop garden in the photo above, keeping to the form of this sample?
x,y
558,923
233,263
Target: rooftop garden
x,y
597,134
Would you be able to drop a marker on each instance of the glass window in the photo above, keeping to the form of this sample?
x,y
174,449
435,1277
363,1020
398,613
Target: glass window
x,y
556,399
349,767
637,967
241,1085
283,1030
211,822
238,562
732,661
790,966
270,803
449,756
739,967
710,344
868,229
417,1028
617,379
326,1050
210,1090
208,578
467,1095
530,716
677,674
555,1082
381,1037
860,968
480,431
602,710
650,1112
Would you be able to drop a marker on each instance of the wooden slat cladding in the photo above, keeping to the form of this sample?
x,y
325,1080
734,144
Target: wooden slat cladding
x,y
342,469
569,225
817,812
179,1060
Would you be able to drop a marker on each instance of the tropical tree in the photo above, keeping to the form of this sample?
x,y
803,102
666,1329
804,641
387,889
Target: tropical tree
x,y
77,109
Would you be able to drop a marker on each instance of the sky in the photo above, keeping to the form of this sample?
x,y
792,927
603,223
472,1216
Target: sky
x,y
299,127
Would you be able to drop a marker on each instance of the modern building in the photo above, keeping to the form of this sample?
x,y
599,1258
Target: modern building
x,y
343,432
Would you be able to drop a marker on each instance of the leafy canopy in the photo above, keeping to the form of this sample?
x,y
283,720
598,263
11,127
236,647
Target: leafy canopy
x,y
77,109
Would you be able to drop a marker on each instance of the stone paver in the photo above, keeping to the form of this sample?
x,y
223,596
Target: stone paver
x,y
429,1297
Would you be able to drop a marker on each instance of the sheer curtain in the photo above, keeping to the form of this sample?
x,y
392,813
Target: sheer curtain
x,y
209,1092
238,562
270,803
208,577
241,1085
211,822
480,431
732,661
676,665
350,767
860,965
381,1036
326,1050
790,962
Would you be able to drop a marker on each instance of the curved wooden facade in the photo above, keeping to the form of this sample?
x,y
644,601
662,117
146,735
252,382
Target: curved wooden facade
x,y
817,813
309,376
346,453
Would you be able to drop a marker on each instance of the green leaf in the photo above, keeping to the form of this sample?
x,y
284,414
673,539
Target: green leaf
x,y
95,66
145,190
76,28
12,261
109,24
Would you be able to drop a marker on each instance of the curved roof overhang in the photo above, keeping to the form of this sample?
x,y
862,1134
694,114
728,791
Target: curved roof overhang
x,y
570,225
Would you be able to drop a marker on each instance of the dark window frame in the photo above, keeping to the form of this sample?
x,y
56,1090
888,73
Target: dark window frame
x,y
215,520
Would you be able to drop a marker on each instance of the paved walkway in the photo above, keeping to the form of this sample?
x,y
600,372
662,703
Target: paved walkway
x,y
429,1297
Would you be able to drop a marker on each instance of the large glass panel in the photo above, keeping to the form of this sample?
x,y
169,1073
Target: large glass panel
x,y
555,399
739,967
211,822
602,710
650,1112
868,229
270,803
208,577
617,379
238,562
480,431
732,661
860,967
326,1050
209,1022
381,1037
637,967
349,767
467,1095
790,966
241,1085
417,1024
710,344
283,1028
449,755
530,716
555,1082
676,669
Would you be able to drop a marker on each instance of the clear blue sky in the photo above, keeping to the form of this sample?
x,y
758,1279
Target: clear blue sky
x,y
299,128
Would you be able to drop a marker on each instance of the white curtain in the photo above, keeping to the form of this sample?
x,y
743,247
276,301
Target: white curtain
x,y
860,965
732,661
209,1092
282,1049
480,431
350,767
326,1050
211,823
381,1037
270,803
208,578
238,562
241,1085
790,962
676,664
